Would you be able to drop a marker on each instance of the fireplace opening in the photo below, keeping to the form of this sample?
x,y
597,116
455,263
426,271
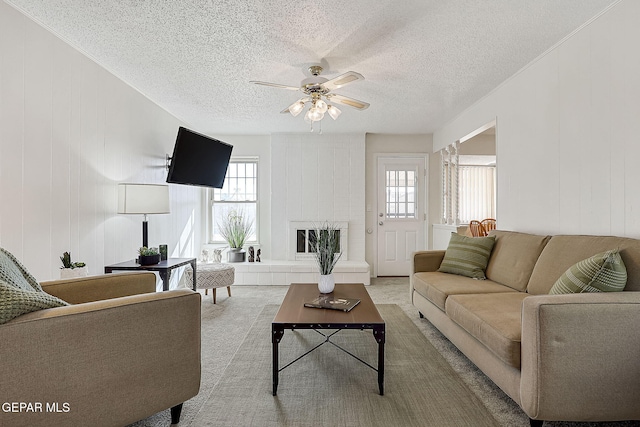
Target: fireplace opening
x,y
305,237
302,234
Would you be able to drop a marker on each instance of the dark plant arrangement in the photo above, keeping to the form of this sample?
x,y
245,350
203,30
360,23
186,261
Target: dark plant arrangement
x,y
325,245
145,251
66,261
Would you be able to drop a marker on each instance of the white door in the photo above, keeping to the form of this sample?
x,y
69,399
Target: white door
x,y
401,213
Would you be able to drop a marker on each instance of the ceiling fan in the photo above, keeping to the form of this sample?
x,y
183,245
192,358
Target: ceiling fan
x,y
319,95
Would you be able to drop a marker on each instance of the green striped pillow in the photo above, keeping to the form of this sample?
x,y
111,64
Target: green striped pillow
x,y
467,256
603,272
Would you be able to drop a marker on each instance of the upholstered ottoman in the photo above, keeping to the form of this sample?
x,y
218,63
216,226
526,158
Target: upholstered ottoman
x,y
212,276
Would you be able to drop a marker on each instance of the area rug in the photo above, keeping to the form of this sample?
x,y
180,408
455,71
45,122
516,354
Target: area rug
x,y
329,387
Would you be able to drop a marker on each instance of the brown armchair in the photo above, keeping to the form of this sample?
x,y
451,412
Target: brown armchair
x,y
120,353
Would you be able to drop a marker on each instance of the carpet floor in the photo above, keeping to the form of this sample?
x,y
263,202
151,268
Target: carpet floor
x,y
226,325
328,387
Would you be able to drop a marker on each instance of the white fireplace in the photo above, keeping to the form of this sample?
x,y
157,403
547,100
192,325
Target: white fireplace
x,y
298,239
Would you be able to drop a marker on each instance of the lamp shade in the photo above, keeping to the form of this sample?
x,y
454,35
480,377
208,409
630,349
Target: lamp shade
x,y
143,199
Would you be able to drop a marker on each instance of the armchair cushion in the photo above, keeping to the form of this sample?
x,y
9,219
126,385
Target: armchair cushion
x,y
15,301
20,292
14,273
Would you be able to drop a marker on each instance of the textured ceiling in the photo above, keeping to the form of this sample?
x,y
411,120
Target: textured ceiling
x,y
424,61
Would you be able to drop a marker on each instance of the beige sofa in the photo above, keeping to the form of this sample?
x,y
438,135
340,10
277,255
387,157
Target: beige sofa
x,y
120,353
560,357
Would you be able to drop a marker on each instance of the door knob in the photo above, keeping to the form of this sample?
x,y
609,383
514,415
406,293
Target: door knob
x,y
380,214
380,223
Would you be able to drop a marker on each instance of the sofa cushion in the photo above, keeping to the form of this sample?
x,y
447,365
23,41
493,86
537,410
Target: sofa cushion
x,y
564,251
436,286
603,272
513,257
492,319
15,301
467,256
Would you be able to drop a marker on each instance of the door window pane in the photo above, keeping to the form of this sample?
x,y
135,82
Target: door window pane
x,y
401,194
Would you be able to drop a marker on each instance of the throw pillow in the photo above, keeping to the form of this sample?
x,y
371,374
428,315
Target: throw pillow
x,y
14,273
603,272
15,301
467,256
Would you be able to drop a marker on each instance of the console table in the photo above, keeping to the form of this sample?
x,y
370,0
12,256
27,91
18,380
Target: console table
x,y
164,268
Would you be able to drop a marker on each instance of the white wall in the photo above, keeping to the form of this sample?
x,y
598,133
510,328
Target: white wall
x,y
69,132
567,133
317,178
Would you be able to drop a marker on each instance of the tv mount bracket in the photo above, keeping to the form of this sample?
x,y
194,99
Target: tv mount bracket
x,y
168,161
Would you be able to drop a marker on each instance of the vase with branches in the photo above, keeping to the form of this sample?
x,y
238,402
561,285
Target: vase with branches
x,y
235,230
325,246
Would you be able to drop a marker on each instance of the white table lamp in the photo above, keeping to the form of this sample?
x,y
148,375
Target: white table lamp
x,y
145,199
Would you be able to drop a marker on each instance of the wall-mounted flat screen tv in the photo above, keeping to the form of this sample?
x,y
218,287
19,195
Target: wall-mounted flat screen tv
x,y
198,160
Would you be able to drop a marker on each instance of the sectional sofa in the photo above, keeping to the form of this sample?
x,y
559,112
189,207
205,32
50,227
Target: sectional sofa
x,y
571,357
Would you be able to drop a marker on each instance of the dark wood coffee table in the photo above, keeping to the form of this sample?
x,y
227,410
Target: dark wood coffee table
x,y
294,315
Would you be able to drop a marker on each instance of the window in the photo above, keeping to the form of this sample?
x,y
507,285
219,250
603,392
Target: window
x,y
239,194
477,192
468,187
400,186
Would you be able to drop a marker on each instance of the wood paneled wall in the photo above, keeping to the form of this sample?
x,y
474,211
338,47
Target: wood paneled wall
x,y
567,133
69,132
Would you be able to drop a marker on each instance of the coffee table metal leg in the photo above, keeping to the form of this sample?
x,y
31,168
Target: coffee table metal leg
x,y
379,334
276,336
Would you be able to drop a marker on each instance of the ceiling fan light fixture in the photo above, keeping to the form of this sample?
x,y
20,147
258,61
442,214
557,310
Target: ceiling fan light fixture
x,y
315,114
334,111
296,108
321,106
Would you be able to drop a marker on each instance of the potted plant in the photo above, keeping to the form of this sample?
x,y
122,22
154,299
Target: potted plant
x,y
148,256
235,229
325,246
72,269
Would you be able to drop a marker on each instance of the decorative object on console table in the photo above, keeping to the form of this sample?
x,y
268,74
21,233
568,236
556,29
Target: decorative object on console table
x,y
143,199
258,255
164,250
148,256
235,230
325,246
70,269
251,254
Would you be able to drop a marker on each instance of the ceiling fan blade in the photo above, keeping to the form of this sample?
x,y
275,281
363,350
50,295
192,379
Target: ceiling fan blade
x,y
342,80
344,100
276,85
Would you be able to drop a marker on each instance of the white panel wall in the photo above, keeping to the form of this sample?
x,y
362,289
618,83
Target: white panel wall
x,y
317,178
69,132
567,133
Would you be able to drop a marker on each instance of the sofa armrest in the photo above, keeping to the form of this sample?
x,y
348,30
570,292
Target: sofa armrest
x,y
426,261
580,357
101,287
120,359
